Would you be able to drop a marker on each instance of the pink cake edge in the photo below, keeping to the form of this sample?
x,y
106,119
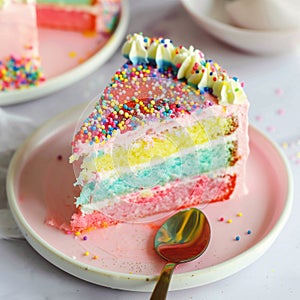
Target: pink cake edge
x,y
81,222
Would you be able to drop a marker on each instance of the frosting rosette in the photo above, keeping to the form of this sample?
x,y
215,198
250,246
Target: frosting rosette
x,y
161,52
135,49
188,64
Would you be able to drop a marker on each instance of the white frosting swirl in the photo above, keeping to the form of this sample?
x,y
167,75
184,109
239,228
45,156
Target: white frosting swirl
x,y
162,52
135,49
190,61
229,91
189,64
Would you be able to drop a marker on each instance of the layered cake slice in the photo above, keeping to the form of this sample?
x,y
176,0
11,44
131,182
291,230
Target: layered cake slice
x,y
170,131
19,54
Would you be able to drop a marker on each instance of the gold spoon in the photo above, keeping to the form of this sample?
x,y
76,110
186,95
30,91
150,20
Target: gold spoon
x,y
182,238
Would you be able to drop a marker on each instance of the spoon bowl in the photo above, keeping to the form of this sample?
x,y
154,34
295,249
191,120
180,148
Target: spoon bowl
x,y
182,238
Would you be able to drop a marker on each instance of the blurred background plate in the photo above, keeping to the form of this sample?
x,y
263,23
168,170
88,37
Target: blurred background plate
x,y
211,16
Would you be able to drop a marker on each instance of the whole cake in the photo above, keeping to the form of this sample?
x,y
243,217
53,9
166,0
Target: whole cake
x,y
170,131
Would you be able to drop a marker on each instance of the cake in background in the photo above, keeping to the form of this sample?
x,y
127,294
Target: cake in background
x,y
169,131
19,49
20,63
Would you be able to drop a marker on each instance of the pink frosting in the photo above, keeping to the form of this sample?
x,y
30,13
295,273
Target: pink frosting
x,y
18,31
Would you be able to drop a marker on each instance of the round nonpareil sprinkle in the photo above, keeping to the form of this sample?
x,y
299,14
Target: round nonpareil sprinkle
x,y
237,238
20,72
72,54
115,113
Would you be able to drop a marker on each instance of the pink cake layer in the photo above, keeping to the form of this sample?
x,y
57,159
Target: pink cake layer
x,y
59,18
176,195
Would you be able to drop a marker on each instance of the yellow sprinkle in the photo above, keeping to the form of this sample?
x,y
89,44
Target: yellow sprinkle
x,y
86,253
104,224
298,154
72,54
240,214
229,221
77,233
89,34
81,60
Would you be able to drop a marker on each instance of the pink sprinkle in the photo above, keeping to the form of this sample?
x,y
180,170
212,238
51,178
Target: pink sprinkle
x,y
279,91
270,128
258,118
281,111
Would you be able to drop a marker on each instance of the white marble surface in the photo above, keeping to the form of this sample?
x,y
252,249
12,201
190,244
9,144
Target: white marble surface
x,y
272,85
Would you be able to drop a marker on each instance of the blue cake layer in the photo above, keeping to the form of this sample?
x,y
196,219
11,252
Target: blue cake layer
x,y
174,168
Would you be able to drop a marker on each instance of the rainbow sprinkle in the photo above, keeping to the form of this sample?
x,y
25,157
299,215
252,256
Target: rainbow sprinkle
x,y
124,106
18,73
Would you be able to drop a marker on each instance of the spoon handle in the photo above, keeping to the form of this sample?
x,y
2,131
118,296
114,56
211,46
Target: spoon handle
x,y
161,287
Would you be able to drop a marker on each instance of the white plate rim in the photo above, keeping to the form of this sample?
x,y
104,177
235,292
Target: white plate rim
x,y
67,78
137,282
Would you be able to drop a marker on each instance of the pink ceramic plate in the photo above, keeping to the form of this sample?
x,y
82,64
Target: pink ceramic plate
x,y
69,56
40,183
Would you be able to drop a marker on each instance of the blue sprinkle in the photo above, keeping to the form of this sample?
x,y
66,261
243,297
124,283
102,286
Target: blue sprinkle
x,y
249,231
237,238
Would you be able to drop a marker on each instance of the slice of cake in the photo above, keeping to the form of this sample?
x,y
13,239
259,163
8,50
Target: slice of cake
x,y
170,131
78,15
19,54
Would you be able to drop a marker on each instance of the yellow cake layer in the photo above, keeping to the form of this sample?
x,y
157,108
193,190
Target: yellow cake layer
x,y
144,151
